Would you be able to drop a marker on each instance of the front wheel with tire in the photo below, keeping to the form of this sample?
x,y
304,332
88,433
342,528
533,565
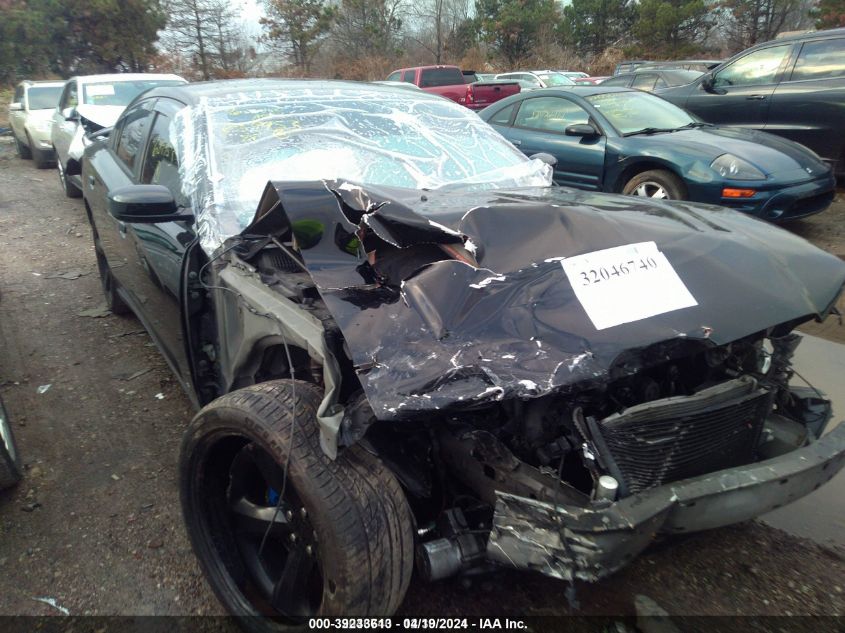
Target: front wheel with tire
x,y
23,151
658,184
280,529
70,189
10,461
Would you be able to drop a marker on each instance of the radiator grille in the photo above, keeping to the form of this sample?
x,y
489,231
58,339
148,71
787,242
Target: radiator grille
x,y
675,438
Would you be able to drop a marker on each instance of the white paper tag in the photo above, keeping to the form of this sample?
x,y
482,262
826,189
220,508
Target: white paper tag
x,y
100,90
625,284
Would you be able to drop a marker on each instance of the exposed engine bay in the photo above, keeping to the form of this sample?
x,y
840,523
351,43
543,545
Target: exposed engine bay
x,y
522,434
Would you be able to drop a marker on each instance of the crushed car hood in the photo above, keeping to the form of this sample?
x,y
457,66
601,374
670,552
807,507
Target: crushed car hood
x,y
455,335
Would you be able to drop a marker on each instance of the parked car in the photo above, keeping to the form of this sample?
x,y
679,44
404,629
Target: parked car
x,y
589,81
90,103
488,372
702,65
626,141
653,80
30,115
793,87
534,80
574,74
450,82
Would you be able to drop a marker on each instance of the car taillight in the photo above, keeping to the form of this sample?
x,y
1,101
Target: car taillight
x,y
470,96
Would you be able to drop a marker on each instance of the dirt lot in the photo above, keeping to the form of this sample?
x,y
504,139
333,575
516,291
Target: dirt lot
x,y
95,525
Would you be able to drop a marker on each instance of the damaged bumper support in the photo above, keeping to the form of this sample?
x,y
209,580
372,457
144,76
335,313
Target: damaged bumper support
x,y
570,542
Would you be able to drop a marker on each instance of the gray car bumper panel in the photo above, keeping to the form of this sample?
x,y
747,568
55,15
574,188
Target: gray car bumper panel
x,y
571,542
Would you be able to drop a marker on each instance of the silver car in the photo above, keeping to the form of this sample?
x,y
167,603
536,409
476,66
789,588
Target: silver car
x,y
536,79
30,117
88,104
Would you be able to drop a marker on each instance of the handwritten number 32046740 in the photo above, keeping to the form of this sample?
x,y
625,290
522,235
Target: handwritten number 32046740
x,y
596,275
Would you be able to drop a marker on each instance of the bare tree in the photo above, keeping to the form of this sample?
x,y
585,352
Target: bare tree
x,y
747,22
207,32
435,23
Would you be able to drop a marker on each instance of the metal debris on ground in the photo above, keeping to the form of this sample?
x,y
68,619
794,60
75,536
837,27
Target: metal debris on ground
x,y
52,602
70,275
44,388
127,376
159,396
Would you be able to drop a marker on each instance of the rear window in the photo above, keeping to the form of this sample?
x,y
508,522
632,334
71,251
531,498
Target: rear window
x,y
44,97
820,60
434,77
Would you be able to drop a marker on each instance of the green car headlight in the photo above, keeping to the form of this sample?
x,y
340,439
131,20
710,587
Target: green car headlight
x,y
735,168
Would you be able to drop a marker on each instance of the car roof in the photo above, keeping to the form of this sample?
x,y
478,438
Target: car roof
x,y
840,32
116,77
191,94
42,82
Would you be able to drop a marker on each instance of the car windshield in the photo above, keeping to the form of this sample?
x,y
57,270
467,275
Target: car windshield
x,y
43,97
372,135
120,93
640,112
555,79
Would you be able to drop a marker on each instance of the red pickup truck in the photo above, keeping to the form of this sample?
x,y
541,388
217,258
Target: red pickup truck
x,y
450,82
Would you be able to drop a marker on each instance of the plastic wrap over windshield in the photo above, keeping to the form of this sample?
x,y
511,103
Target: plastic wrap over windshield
x,y
231,146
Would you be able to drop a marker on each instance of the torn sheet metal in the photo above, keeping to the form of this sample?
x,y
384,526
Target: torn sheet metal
x,y
230,145
572,542
456,335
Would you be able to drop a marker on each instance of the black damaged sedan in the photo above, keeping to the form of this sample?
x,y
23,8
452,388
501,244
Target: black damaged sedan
x,y
406,346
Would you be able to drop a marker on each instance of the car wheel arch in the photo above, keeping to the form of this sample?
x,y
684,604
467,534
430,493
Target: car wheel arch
x,y
639,167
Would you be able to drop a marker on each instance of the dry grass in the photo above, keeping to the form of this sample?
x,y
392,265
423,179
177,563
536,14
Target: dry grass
x,y
5,99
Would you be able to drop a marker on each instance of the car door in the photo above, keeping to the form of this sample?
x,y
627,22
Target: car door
x,y
155,274
63,130
539,125
110,170
741,91
808,106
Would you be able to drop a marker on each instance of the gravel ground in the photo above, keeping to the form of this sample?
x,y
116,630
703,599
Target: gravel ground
x,y
96,526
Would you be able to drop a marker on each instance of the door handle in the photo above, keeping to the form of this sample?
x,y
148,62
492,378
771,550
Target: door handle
x,y
517,142
756,97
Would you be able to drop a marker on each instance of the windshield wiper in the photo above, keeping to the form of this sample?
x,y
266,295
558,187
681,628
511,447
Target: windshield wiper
x,y
650,130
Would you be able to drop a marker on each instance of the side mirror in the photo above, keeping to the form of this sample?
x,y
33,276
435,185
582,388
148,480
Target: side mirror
x,y
545,157
581,129
707,82
70,114
15,107
143,204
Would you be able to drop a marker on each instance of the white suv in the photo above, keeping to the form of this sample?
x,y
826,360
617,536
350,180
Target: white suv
x,y
29,115
89,104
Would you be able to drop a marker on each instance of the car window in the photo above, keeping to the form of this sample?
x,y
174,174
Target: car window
x,y
550,114
617,81
503,116
820,60
755,69
43,97
409,76
394,76
132,133
644,81
161,166
660,83
434,77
